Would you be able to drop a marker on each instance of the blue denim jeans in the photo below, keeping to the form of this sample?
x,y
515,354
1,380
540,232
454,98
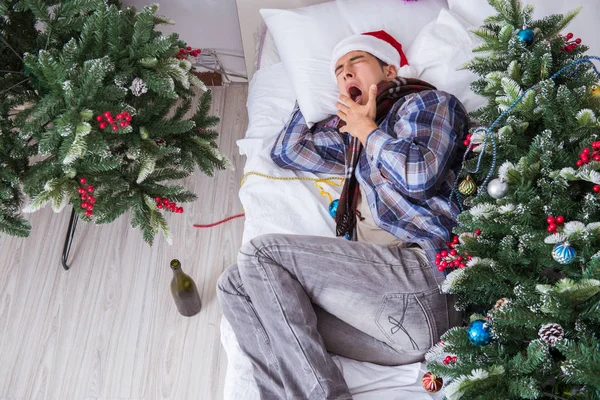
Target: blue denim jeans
x,y
294,299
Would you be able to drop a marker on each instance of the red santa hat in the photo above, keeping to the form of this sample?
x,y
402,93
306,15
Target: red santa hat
x,y
379,44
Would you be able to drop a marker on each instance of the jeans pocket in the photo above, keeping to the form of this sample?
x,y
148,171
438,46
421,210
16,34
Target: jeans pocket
x,y
407,320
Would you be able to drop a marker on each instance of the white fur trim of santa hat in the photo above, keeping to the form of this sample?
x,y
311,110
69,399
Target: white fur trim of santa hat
x,y
370,44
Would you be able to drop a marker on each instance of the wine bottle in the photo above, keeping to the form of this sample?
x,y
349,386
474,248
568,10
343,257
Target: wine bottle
x,y
184,291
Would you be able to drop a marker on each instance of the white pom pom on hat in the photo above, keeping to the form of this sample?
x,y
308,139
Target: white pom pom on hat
x,y
378,43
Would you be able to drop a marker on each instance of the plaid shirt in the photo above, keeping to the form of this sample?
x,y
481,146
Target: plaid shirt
x,y
407,168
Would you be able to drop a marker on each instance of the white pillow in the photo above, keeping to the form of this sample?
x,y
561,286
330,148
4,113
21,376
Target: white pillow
x,y
439,49
305,38
403,20
584,26
266,50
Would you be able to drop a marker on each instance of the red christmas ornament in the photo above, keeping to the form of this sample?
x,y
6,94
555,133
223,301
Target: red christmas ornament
x,y
431,382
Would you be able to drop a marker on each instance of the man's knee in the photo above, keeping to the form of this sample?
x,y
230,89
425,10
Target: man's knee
x,y
229,281
252,247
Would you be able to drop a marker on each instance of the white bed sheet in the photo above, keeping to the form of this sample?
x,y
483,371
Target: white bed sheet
x,y
295,206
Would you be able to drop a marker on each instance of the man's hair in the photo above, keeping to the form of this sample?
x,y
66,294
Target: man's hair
x,y
381,63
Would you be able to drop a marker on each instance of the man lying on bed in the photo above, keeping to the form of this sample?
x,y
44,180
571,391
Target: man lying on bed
x,y
291,299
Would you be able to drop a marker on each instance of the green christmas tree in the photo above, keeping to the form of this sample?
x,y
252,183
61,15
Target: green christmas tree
x,y
93,100
525,261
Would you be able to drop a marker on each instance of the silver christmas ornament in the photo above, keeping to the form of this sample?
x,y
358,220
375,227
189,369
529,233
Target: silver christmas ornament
x,y
138,87
497,188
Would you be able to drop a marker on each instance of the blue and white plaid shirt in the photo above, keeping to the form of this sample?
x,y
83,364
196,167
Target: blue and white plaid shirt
x,y
407,168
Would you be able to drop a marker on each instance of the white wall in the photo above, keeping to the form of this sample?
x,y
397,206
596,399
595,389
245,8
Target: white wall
x,y
203,24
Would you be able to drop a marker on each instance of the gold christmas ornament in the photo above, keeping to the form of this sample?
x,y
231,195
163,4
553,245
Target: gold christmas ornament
x,y
467,187
595,90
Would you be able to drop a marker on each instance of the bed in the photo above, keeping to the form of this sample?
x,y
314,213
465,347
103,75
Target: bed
x,y
442,45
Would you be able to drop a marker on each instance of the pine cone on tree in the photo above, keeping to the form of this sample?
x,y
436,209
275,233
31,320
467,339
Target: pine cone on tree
x,y
551,333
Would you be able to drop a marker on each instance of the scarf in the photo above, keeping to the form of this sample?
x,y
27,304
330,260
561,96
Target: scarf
x,y
388,92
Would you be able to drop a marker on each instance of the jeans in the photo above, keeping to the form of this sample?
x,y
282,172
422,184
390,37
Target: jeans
x,y
294,299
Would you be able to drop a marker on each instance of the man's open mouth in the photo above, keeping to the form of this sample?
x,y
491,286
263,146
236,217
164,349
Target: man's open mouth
x,y
355,94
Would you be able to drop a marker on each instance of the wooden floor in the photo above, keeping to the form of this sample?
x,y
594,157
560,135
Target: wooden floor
x,y
108,328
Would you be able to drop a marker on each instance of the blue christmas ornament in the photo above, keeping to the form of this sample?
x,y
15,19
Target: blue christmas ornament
x,y
347,236
479,332
333,208
563,253
526,35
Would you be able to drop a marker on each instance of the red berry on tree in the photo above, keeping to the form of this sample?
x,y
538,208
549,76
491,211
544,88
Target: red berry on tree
x,y
551,228
180,210
82,180
123,124
157,199
466,142
597,188
453,252
103,125
586,150
462,265
569,35
115,128
81,190
446,361
84,196
579,163
444,253
165,200
88,213
478,232
107,114
91,199
444,264
90,189
437,261
159,206
560,219
550,219
127,118
440,268
99,118
189,47
84,204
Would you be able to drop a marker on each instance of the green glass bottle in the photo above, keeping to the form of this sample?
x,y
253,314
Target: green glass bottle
x,y
184,291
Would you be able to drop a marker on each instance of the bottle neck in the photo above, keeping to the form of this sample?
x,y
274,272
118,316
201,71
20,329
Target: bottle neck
x,y
177,271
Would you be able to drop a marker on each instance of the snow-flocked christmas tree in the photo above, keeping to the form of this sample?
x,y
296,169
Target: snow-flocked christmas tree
x,y
525,261
92,114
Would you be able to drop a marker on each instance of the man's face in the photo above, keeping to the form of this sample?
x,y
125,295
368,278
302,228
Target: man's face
x,y
356,71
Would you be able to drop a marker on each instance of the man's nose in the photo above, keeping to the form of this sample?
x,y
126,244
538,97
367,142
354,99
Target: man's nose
x,y
348,74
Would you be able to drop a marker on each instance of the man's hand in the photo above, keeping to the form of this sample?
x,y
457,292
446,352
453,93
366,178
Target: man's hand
x,y
360,120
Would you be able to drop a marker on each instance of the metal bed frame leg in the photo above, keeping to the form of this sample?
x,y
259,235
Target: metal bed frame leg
x,y
69,238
